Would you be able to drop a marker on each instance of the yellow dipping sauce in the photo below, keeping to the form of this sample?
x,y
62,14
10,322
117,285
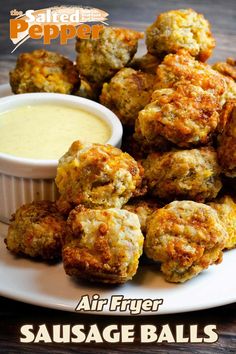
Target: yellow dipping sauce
x,y
47,131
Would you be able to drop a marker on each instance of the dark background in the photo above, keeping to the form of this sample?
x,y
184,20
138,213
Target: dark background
x,y
135,14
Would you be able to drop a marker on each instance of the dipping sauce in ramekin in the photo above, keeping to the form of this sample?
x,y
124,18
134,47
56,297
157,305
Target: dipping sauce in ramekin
x,y
36,129
45,131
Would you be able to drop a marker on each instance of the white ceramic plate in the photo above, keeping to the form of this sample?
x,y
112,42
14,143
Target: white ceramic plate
x,y
48,286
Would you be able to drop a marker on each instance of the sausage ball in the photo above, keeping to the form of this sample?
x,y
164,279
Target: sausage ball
x,y
184,174
127,93
143,208
186,237
226,210
99,59
225,114
148,63
182,66
185,115
36,230
227,144
102,245
230,91
228,71
227,68
96,176
178,29
43,71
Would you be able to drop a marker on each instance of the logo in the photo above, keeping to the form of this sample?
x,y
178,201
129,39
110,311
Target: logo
x,y
65,22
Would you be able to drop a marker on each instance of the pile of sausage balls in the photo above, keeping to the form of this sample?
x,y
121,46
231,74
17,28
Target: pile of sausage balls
x,y
164,192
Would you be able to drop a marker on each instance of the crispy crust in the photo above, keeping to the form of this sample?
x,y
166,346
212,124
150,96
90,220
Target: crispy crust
x,y
184,174
185,115
230,91
182,66
227,142
98,60
97,176
178,29
225,114
186,237
127,93
43,71
36,231
102,245
226,210
227,68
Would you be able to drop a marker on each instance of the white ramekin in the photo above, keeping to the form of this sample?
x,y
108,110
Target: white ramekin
x,y
25,180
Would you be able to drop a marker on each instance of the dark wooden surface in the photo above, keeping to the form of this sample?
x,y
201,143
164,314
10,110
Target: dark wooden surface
x,y
14,315
134,14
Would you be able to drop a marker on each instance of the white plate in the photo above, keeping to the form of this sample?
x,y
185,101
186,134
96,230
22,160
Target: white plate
x,y
48,286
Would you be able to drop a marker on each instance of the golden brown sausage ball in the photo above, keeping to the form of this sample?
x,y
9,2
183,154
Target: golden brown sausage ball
x,y
184,174
185,115
36,230
99,59
148,63
230,91
43,71
226,210
127,93
97,176
225,114
227,145
186,237
228,71
102,245
182,66
227,68
178,29
143,208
